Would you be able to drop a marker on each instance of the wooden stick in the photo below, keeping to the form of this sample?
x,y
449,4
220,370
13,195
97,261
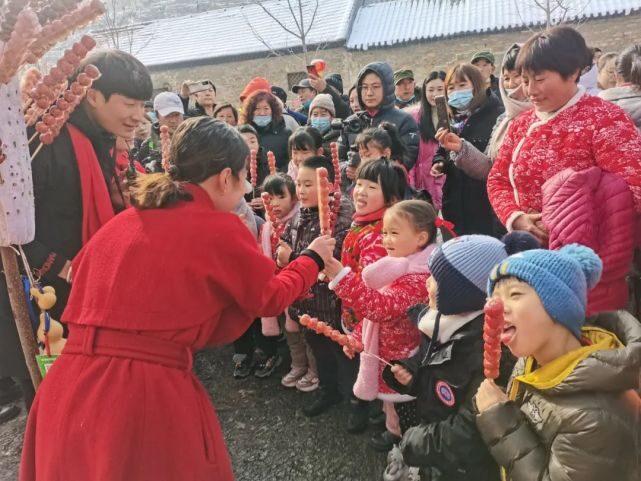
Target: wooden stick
x,y
33,137
33,156
376,357
21,315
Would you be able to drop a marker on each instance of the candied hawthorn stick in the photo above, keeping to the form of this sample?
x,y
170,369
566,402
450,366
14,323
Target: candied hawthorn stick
x,y
323,201
253,167
277,227
337,168
53,121
165,145
271,161
492,330
25,31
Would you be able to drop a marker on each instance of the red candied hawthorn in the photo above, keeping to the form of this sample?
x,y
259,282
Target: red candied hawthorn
x,y
92,71
84,80
87,42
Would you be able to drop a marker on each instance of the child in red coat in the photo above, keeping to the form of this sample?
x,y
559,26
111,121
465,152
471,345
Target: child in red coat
x,y
379,184
385,291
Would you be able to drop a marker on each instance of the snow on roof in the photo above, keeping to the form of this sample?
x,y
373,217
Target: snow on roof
x,y
227,32
399,21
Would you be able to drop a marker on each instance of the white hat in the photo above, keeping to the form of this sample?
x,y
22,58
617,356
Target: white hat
x,y
167,103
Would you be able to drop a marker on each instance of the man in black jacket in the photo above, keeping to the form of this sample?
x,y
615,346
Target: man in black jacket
x,y
113,106
376,93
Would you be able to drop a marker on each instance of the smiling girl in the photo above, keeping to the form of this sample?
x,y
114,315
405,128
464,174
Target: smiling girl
x,y
384,292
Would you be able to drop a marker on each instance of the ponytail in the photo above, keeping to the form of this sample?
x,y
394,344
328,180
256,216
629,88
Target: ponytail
x,y
397,145
628,65
155,191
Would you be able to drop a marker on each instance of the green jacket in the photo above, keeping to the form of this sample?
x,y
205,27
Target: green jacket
x,y
577,418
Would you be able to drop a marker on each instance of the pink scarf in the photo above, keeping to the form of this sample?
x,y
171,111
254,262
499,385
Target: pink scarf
x,y
270,325
380,275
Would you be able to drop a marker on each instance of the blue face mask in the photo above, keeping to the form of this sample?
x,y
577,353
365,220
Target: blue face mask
x,y
322,124
307,103
262,120
460,99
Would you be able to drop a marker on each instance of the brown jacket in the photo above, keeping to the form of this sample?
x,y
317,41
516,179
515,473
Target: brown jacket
x,y
584,428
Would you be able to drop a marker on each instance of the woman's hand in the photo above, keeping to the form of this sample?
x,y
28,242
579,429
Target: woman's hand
x,y
488,395
324,247
332,268
533,224
437,169
349,352
283,253
257,204
401,374
449,140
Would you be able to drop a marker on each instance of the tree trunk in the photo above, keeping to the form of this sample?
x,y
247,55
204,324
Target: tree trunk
x,y
20,313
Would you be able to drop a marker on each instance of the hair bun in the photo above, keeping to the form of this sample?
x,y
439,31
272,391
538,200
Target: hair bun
x,y
591,264
519,241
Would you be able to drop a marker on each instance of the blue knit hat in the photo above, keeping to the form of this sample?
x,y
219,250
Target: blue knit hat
x,y
461,268
560,278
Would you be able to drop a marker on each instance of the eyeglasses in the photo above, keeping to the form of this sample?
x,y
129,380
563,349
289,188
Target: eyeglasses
x,y
371,88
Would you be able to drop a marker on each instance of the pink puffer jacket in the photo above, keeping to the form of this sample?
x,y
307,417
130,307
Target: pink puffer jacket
x,y
594,208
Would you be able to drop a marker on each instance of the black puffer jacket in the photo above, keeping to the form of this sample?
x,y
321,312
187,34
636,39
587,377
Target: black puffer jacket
x,y
447,445
275,137
465,201
404,122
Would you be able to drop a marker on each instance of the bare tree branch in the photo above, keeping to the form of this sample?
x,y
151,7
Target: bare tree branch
x,y
311,23
259,37
299,21
275,19
291,10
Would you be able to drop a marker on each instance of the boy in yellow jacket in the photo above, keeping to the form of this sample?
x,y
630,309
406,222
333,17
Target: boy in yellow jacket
x,y
571,412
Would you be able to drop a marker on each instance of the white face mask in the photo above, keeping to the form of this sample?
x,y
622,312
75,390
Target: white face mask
x,y
511,92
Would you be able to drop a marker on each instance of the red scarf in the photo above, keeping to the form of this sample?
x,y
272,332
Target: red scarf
x,y
96,202
371,217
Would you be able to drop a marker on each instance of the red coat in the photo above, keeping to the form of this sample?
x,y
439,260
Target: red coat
x,y
590,133
363,245
169,274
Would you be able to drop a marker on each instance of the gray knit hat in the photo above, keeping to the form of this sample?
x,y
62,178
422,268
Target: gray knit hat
x,y
323,101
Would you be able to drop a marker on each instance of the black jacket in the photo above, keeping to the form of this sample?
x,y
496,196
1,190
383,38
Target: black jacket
x,y
150,151
404,122
320,301
465,201
275,137
447,443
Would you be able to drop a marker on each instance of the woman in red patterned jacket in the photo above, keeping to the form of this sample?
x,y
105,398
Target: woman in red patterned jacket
x,y
566,129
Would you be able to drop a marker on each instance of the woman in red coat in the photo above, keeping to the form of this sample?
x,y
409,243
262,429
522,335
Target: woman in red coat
x,y
176,274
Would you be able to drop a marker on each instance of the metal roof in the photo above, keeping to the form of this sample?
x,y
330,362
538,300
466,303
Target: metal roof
x,y
238,31
398,21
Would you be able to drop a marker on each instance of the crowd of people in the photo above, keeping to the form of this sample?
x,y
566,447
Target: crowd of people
x,y
519,182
